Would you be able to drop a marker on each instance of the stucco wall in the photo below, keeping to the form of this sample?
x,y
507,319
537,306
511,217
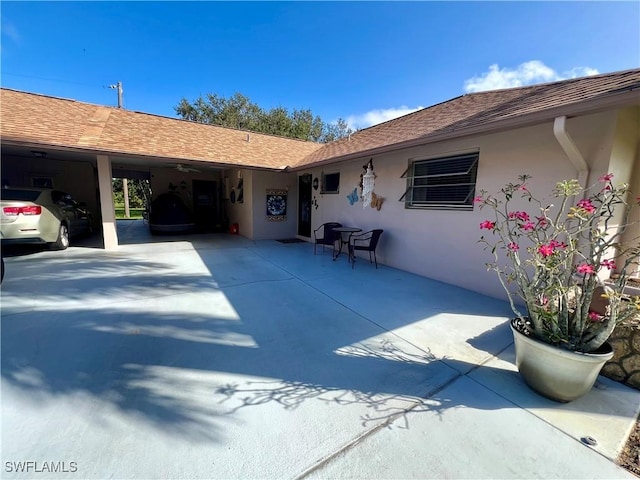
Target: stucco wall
x,y
241,213
626,156
442,244
262,227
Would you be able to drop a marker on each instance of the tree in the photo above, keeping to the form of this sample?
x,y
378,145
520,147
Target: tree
x,y
139,192
240,112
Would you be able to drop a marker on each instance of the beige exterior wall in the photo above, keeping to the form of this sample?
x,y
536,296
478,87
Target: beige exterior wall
x,y
625,164
262,228
442,244
251,214
241,213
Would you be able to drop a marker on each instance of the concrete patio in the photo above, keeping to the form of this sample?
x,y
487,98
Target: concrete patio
x,y
212,356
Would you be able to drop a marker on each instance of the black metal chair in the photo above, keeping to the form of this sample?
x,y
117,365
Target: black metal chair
x,y
328,237
368,242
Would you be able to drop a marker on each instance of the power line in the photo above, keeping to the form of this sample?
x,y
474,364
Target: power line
x,y
49,79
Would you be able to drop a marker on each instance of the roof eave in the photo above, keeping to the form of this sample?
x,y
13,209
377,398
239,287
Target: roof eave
x,y
626,98
112,153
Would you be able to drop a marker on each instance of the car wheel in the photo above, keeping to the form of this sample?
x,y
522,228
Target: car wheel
x,y
63,238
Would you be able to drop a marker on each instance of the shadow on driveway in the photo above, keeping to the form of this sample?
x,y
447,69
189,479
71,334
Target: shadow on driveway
x,y
186,344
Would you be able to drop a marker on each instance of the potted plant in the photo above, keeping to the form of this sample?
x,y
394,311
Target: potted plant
x,y
551,259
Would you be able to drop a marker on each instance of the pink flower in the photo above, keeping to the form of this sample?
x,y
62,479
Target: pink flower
x,y
545,250
478,200
586,205
523,188
514,247
610,264
595,317
524,216
488,225
542,222
528,226
557,244
585,268
606,178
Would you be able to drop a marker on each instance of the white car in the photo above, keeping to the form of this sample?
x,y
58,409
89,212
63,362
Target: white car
x,y
38,215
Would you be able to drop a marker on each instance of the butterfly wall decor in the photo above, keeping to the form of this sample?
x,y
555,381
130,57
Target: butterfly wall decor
x,y
376,201
353,196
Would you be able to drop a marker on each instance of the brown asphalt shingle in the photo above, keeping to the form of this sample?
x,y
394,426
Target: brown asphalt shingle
x,y
478,110
38,119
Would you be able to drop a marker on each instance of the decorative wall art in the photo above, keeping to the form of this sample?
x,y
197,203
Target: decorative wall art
x,y
353,196
367,183
240,191
276,205
376,201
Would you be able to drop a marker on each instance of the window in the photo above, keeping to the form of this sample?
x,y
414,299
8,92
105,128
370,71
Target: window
x,y
42,182
330,183
441,183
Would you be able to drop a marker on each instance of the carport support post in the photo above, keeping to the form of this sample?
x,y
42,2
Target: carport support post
x,y
105,186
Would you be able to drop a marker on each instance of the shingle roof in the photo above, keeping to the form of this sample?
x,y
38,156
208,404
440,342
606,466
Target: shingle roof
x,y
479,111
37,119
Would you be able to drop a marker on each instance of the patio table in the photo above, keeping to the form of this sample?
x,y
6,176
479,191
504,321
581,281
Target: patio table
x,y
344,238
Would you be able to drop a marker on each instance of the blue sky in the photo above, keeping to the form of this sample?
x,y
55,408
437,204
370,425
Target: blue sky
x,y
362,61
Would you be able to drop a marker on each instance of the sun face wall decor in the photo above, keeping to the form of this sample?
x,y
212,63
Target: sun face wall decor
x,y
276,205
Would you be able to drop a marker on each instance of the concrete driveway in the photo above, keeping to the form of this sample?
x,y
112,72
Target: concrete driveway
x,y
220,357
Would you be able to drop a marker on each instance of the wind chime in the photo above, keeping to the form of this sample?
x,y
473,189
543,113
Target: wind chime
x,y
368,184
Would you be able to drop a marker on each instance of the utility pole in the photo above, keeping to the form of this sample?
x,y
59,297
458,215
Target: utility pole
x,y
118,86
125,186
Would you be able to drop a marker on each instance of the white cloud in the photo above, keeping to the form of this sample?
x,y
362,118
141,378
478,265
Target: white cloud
x,y
11,32
527,73
373,117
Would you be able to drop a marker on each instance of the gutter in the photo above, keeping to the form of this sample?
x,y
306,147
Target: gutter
x,y
571,150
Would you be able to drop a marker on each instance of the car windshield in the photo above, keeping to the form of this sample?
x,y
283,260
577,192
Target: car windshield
x,y
20,195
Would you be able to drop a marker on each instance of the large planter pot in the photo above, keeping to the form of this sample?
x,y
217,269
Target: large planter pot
x,y
555,373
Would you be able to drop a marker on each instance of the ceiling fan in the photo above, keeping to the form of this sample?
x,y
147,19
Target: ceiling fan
x,y
184,169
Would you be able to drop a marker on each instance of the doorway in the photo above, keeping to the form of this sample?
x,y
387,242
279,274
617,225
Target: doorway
x,y
205,205
304,205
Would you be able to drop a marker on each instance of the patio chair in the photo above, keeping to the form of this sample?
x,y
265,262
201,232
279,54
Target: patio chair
x,y
368,242
324,235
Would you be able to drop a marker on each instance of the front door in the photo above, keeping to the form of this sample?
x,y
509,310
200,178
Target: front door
x,y
304,205
205,205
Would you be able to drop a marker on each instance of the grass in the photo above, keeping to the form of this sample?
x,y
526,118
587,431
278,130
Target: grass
x,y
135,213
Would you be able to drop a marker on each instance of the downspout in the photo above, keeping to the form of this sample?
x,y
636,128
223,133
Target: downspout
x,y
571,150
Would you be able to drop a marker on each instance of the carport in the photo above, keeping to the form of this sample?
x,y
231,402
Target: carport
x,y
88,177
